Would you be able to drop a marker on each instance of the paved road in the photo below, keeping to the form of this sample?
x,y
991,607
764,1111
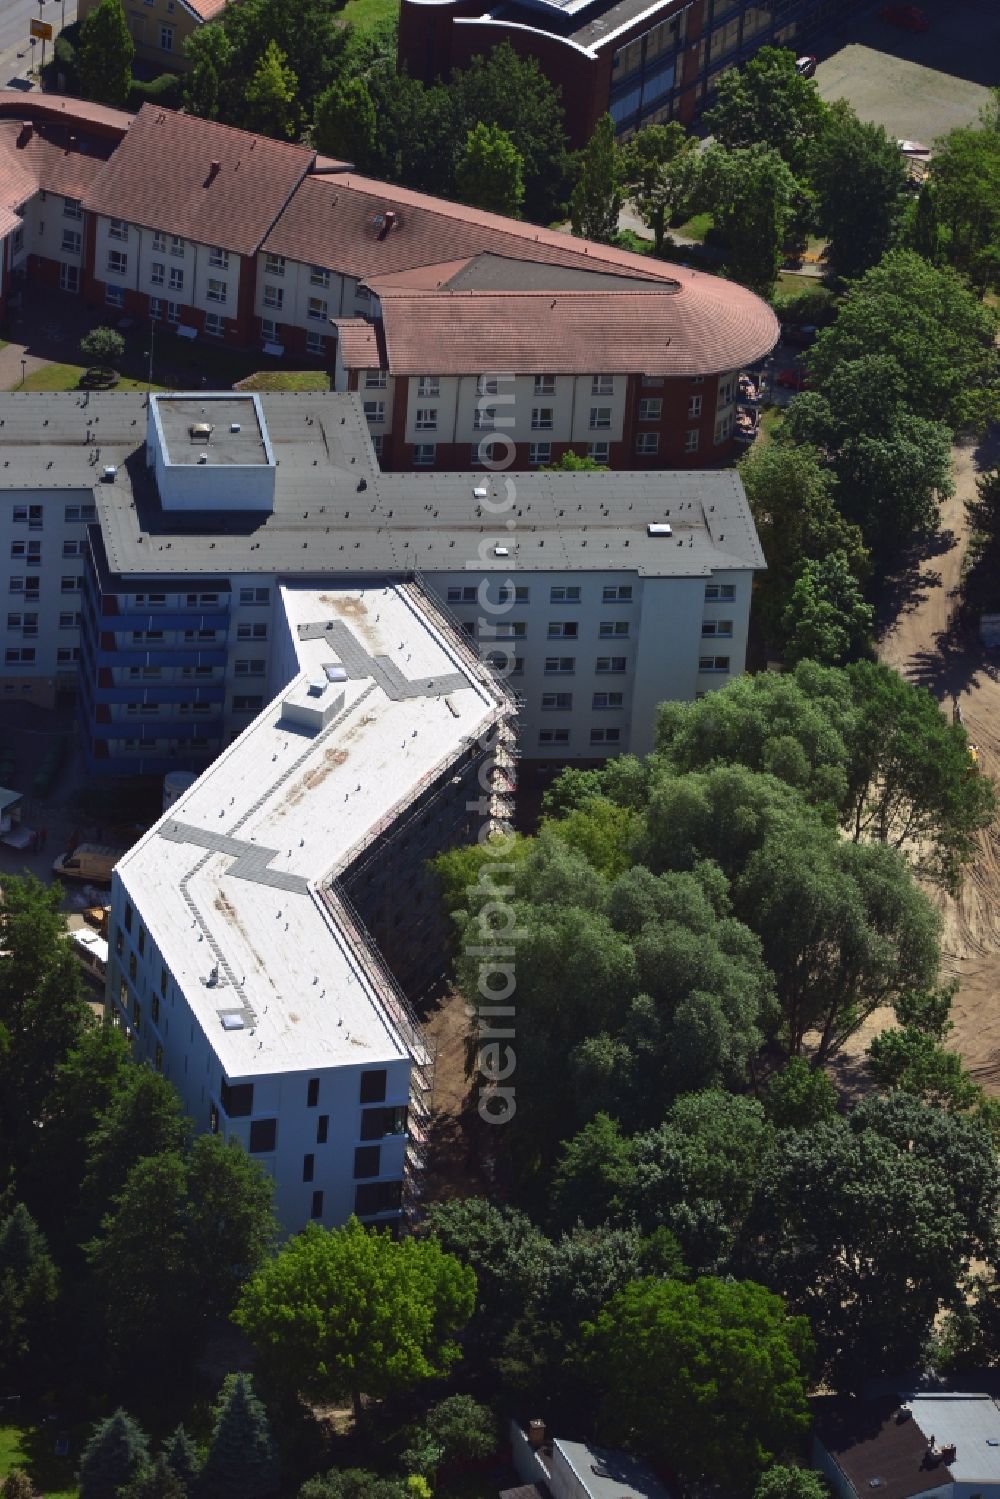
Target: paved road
x,y
15,19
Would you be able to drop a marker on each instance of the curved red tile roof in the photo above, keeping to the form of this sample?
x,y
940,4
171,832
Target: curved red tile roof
x,y
704,326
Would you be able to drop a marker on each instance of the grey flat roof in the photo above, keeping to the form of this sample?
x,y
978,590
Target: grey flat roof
x,y
607,1474
179,414
335,512
503,273
970,1423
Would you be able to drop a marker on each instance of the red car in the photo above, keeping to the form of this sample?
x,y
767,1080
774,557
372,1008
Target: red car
x,y
792,378
909,17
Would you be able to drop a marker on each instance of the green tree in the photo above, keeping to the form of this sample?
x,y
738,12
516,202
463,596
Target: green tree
x,y
785,1482
961,197
158,1481
42,1010
344,122
144,1119
354,1483
94,1071
799,1095
925,319
116,1451
465,1429
916,1063
594,1180
892,468
210,60
242,1462
573,462
859,181
406,1302
271,94
514,93
490,171
29,1290
750,193
171,1255
868,1226
657,167
182,1456
508,1254
104,54
826,618
597,197
709,1377
792,495
313,43
104,346
767,103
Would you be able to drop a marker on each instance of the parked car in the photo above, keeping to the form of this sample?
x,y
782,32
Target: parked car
x,y
801,335
792,378
908,17
805,66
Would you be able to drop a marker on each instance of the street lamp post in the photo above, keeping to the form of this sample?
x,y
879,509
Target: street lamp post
x,y
24,370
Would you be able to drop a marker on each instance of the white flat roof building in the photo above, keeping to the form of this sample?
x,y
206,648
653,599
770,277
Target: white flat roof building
x,y
235,962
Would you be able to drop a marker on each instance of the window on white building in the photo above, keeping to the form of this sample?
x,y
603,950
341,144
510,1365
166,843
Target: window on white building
x,y
274,296
215,324
600,418
217,291
541,419
274,265
602,385
426,419
317,309
429,385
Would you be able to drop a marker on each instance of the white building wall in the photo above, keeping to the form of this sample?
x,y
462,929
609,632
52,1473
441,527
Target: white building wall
x,y
145,1000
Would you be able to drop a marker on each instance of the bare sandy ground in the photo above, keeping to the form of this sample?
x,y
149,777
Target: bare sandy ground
x,y
919,637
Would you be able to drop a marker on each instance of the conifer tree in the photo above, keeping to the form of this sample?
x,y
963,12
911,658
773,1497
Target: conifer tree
x,y
242,1462
117,1450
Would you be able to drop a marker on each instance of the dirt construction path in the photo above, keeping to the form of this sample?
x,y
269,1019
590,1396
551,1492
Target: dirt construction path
x,y
918,636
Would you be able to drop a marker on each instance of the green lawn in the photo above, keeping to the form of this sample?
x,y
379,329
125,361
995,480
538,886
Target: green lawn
x,y
27,1446
694,228
286,380
67,377
367,13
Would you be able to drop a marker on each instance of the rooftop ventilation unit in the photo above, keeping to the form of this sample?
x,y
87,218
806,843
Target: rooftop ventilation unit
x,y
202,457
480,492
335,672
110,474
234,426
659,528
233,1022
201,431
501,551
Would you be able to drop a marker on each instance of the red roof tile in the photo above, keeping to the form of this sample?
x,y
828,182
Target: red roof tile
x,y
702,326
206,10
32,159
332,220
55,107
359,345
162,176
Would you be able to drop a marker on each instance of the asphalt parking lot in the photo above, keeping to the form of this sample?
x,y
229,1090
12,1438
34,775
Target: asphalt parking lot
x,y
919,84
